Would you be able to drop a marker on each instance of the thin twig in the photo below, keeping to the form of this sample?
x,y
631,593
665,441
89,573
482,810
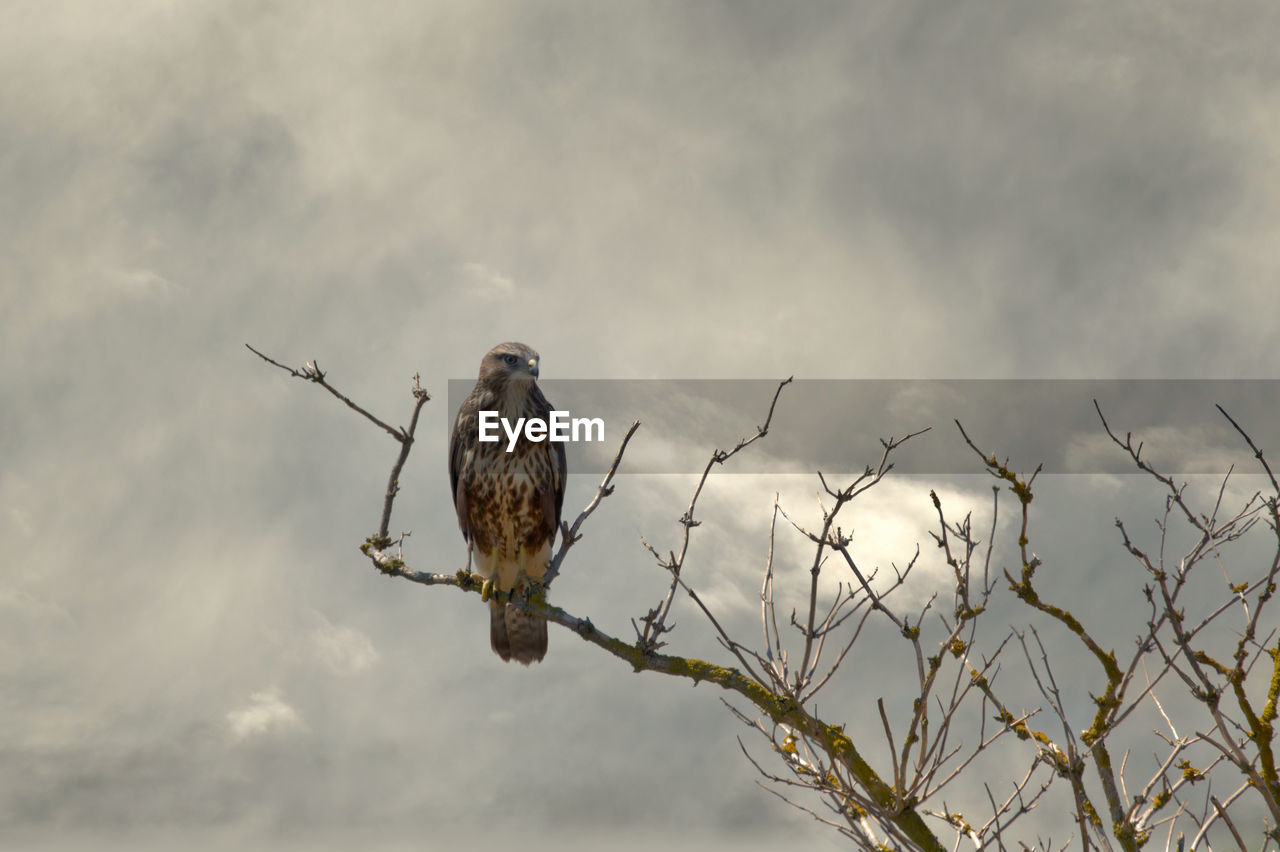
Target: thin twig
x,y
311,372
569,535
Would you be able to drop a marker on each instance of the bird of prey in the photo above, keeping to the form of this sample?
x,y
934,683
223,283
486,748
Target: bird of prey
x,y
508,502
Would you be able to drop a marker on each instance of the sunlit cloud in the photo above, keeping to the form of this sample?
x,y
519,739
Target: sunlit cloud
x,y
266,713
344,650
487,284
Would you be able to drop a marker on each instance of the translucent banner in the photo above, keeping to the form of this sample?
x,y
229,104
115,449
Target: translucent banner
x,y
836,425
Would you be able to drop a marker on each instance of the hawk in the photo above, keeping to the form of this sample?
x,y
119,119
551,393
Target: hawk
x,y
508,503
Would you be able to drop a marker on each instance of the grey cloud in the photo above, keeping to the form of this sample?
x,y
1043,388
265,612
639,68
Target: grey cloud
x,y
215,175
720,191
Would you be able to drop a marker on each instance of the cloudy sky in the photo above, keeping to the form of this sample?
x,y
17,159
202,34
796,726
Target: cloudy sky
x,y
190,644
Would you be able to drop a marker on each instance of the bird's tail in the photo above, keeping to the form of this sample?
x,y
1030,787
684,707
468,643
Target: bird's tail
x,y
517,635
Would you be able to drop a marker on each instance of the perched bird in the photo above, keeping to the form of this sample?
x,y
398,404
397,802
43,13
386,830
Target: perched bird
x,y
508,503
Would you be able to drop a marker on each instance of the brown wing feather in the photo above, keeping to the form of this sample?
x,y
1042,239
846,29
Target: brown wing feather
x,y
463,439
549,488
553,497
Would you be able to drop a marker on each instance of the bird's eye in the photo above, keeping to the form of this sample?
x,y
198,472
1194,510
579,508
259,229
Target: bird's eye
x,y
510,360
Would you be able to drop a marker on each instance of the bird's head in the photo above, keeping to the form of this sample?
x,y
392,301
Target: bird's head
x,y
510,365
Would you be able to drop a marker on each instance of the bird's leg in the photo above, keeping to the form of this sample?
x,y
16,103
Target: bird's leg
x,y
466,571
467,575
528,583
490,574
522,561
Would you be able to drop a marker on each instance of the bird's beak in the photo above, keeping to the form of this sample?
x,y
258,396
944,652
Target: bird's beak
x,y
533,367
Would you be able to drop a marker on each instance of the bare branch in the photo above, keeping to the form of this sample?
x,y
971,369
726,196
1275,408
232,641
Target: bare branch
x,y
656,620
569,535
956,676
311,372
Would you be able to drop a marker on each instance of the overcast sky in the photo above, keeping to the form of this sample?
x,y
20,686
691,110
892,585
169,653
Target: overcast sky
x,y
191,645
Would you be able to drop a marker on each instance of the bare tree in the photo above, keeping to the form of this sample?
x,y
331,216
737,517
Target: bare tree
x,y
965,765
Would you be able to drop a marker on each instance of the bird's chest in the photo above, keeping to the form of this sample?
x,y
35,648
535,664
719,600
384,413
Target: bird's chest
x,y
505,497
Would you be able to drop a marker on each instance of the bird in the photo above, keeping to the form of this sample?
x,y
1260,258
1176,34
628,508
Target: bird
x,y
508,499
